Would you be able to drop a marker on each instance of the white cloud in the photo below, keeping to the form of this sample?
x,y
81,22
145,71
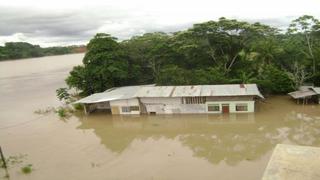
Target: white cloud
x,y
66,21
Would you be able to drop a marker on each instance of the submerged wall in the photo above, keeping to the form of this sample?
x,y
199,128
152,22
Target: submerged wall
x,y
175,106
125,106
232,106
103,105
171,106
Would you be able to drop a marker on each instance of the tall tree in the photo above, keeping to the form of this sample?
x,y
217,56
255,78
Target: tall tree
x,y
147,54
213,52
307,26
104,66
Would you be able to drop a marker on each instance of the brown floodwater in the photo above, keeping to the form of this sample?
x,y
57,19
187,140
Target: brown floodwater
x,y
102,146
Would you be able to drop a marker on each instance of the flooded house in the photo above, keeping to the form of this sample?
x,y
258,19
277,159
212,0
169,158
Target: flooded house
x,y
306,94
151,99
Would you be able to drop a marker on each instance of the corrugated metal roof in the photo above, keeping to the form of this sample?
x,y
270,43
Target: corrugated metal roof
x,y
231,90
98,97
156,91
129,92
126,92
200,90
187,91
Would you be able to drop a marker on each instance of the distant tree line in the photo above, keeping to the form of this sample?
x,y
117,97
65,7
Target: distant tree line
x,y
214,52
19,50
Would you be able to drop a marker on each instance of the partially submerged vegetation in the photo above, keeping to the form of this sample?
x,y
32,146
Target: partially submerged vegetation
x,y
62,112
67,107
17,160
78,107
44,111
214,52
14,160
27,169
67,99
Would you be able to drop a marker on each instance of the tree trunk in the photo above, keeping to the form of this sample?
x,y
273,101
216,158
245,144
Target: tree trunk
x,y
232,62
311,54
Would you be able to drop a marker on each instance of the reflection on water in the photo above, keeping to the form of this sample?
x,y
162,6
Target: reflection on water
x,y
101,146
230,138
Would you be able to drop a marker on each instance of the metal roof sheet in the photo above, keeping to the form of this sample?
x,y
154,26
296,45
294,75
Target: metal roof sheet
x,y
97,97
156,91
118,93
187,91
129,92
231,90
125,92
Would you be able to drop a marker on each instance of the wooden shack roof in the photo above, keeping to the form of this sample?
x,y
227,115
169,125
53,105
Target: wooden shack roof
x,y
302,94
316,89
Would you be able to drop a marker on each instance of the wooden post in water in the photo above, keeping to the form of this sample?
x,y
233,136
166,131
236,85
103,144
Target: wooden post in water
x,y
85,109
3,159
4,163
306,100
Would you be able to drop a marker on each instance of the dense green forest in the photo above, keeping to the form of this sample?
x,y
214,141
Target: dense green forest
x,y
214,52
19,50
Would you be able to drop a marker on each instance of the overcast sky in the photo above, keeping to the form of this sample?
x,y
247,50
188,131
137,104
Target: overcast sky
x,y
66,22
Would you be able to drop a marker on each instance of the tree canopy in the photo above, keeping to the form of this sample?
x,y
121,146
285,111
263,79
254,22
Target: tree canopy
x,y
213,52
20,50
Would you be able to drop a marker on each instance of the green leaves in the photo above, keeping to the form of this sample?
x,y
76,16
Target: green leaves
x,y
304,24
62,94
19,50
104,66
274,80
213,52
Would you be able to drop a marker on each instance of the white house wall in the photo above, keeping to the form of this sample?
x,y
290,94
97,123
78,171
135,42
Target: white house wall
x,y
192,108
103,105
232,106
161,105
171,106
174,105
125,102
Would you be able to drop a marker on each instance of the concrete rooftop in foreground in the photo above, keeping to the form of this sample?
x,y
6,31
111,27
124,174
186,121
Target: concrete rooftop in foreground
x,y
290,162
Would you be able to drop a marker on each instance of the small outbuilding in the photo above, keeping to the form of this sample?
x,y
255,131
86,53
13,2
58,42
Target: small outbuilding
x,y
151,99
306,94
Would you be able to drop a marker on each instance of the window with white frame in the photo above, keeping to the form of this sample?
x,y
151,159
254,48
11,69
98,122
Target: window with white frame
x,y
242,107
213,107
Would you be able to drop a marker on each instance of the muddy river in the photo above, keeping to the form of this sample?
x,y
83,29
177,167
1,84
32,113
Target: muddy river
x,y
102,146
